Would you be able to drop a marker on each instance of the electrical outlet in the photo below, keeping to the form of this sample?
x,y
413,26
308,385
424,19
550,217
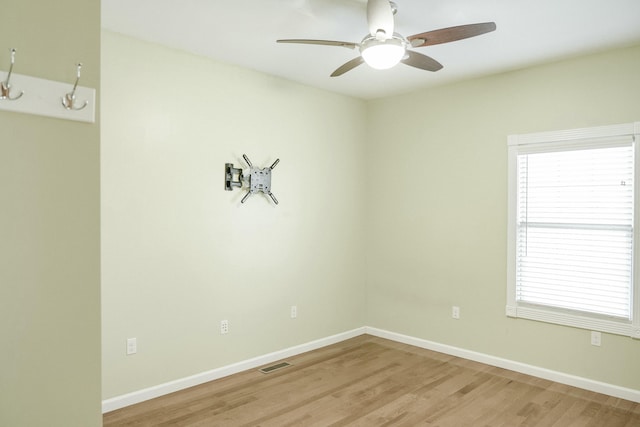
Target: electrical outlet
x,y
224,327
596,338
132,346
455,312
294,311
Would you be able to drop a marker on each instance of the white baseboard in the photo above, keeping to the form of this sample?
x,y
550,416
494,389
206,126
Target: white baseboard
x,y
128,399
559,377
160,390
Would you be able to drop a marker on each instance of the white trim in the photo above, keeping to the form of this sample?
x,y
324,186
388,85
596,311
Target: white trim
x,y
44,98
122,401
512,191
529,143
575,134
636,238
613,326
560,377
183,383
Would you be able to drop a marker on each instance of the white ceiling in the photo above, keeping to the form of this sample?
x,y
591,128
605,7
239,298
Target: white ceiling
x,y
243,32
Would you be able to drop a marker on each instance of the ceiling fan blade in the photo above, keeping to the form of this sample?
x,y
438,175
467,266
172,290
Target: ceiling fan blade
x,y
446,35
421,61
380,17
348,66
348,45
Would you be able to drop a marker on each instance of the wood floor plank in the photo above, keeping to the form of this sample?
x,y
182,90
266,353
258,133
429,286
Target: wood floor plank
x,y
369,381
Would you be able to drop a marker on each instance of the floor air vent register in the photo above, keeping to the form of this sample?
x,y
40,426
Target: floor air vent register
x,y
275,367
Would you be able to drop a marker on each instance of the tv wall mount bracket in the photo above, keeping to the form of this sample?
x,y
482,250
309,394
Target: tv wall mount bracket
x,y
258,180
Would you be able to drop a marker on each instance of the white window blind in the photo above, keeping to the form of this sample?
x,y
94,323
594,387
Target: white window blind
x,y
575,229
572,228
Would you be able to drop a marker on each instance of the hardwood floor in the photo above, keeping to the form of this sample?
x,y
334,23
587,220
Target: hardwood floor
x,y
369,381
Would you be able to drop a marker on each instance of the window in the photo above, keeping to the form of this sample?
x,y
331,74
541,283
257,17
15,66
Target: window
x,y
572,228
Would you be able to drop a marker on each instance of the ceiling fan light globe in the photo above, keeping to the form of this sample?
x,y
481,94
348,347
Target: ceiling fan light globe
x,y
384,54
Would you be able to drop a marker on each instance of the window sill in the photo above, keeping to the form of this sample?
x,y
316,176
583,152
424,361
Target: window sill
x,y
617,327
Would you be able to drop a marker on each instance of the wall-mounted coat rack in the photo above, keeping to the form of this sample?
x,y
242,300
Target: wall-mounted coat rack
x,y
258,179
32,95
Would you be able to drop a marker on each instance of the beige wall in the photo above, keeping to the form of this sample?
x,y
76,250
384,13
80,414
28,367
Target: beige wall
x,y
180,253
50,227
177,247
438,236
421,194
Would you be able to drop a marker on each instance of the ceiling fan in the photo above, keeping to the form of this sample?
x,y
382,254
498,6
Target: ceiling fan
x,y
383,48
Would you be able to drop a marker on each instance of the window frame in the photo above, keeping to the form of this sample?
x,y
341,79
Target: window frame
x,y
570,137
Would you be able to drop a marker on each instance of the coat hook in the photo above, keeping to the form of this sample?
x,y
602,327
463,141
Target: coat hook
x,y
69,100
5,86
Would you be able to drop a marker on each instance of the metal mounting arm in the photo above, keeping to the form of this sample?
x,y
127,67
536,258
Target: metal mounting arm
x,y
258,179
